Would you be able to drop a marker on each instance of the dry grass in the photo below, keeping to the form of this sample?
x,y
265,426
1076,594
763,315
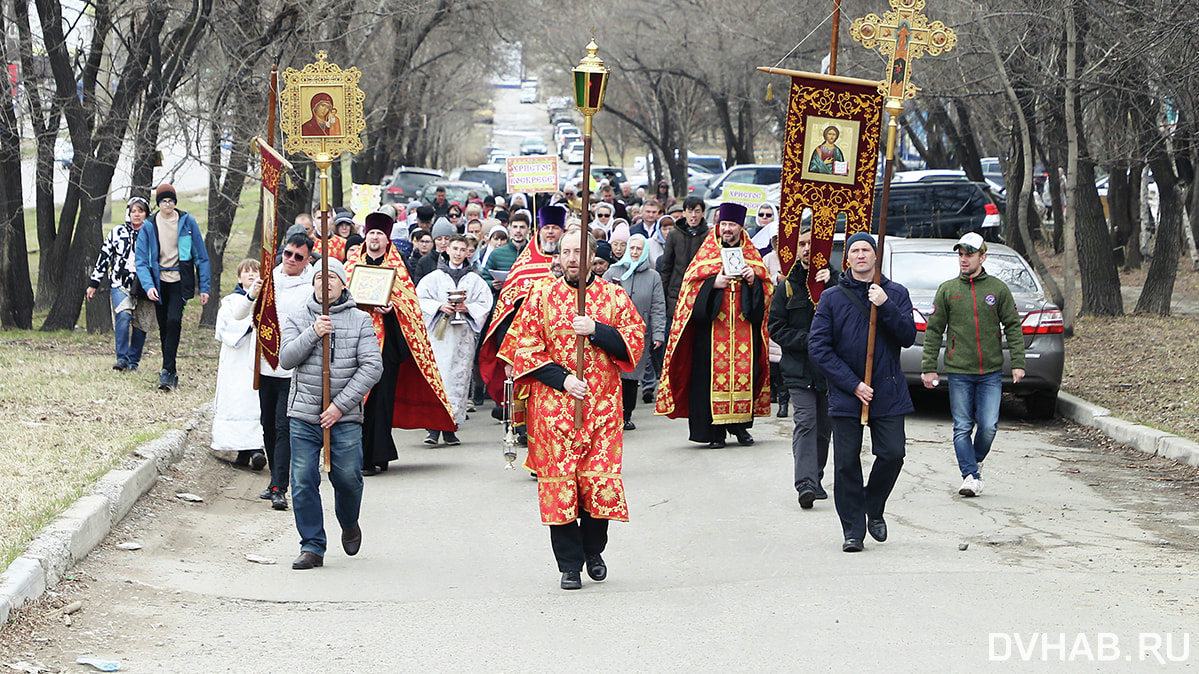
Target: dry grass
x,y
1145,369
69,417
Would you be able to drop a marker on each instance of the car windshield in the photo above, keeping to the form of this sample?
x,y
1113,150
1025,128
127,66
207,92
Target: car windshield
x,y
927,271
453,193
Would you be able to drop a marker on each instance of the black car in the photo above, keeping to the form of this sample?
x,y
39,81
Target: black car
x,y
939,208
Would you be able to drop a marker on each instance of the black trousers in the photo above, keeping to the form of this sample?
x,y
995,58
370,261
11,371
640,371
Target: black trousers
x,y
169,311
855,501
276,433
628,394
574,542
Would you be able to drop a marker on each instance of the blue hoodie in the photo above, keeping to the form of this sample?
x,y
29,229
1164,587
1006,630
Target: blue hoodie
x,y
837,345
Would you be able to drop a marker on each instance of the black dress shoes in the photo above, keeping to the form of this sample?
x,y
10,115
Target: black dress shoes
x,y
744,438
596,568
716,444
307,560
266,494
807,496
257,461
852,545
368,471
351,540
571,580
877,528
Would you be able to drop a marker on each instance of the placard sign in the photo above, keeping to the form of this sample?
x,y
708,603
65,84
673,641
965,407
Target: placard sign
x,y
533,173
749,196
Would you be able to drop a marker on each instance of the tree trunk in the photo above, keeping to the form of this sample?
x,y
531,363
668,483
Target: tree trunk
x,y
16,292
1026,158
1159,281
1096,263
1119,213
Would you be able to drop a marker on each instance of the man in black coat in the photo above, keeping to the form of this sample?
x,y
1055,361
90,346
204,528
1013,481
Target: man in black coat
x,y
837,345
790,321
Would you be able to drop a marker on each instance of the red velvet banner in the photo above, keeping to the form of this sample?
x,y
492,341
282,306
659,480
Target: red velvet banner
x,y
830,160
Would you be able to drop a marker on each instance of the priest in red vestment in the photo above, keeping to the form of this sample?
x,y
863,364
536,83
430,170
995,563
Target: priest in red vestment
x,y
715,371
578,471
410,394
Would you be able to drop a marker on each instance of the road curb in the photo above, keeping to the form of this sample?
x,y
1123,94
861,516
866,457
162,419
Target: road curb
x,y
76,532
1147,439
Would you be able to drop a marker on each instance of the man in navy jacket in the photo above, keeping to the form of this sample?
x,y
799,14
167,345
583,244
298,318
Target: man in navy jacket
x,y
837,345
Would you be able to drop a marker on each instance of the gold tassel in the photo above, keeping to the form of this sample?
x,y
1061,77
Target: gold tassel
x,y
287,177
769,92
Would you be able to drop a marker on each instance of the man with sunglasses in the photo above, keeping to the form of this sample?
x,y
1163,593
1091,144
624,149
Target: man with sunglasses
x,y
293,286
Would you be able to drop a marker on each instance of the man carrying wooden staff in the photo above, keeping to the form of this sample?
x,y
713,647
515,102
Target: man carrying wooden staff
x,y
839,331
578,469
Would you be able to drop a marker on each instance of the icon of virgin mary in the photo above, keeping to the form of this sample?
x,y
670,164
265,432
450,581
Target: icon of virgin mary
x,y
324,120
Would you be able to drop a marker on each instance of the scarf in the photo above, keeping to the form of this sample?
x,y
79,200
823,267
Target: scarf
x,y
634,265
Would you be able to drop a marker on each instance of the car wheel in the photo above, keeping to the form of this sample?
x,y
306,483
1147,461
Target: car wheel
x,y
1041,404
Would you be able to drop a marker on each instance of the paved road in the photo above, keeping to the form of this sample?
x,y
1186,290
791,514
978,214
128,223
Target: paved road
x,y
718,570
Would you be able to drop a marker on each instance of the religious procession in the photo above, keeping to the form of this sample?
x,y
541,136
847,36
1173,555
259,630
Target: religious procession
x,y
790,358
548,308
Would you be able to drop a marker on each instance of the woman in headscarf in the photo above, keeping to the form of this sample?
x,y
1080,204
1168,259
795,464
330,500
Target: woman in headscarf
x,y
657,238
636,274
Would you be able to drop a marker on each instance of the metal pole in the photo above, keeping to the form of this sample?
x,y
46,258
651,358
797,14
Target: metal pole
x,y
323,162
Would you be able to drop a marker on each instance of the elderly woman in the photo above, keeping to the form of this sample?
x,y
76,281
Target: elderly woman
x,y
768,227
636,274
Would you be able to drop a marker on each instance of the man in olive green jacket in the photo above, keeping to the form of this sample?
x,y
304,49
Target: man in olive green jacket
x,y
973,306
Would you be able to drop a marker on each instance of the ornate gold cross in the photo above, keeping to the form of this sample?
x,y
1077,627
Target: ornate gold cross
x,y
904,34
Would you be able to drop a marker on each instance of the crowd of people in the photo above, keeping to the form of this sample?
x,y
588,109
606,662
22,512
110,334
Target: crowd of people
x,y
432,309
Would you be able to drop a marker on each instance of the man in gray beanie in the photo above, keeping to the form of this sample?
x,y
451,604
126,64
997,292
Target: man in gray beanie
x,y
355,365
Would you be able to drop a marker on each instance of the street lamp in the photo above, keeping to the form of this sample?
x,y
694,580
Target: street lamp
x,y
591,81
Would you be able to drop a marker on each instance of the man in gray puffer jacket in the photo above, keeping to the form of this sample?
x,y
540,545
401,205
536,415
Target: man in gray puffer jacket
x,y
354,367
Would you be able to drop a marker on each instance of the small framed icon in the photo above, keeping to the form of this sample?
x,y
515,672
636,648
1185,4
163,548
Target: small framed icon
x,y
371,286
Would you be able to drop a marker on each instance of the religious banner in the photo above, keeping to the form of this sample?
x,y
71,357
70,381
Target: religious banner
x,y
830,160
266,317
533,173
364,200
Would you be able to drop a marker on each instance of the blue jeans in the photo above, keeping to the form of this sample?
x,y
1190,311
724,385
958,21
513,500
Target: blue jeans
x,y
974,402
129,339
345,476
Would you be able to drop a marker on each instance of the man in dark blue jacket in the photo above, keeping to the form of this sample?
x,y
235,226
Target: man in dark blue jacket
x,y
837,345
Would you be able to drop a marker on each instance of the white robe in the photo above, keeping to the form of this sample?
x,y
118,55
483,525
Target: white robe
x,y
454,351
235,423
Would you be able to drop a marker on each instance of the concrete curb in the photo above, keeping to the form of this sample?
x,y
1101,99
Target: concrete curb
x,y
76,532
1149,440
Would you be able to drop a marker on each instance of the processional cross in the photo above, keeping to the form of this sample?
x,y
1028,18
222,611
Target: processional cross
x,y
904,34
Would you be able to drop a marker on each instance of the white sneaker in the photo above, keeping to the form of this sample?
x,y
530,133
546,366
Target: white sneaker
x,y
970,486
978,491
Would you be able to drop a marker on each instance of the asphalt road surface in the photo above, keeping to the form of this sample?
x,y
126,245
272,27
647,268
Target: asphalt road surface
x,y
718,569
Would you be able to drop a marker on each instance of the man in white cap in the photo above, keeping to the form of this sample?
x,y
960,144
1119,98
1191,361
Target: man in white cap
x,y
972,306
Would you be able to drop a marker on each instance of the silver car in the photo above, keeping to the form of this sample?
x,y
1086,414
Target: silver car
x,y
921,265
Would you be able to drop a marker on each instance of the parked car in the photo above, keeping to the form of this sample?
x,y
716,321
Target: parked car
x,y
939,208
498,156
528,91
532,146
495,178
921,265
407,182
455,190
745,174
573,153
711,163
